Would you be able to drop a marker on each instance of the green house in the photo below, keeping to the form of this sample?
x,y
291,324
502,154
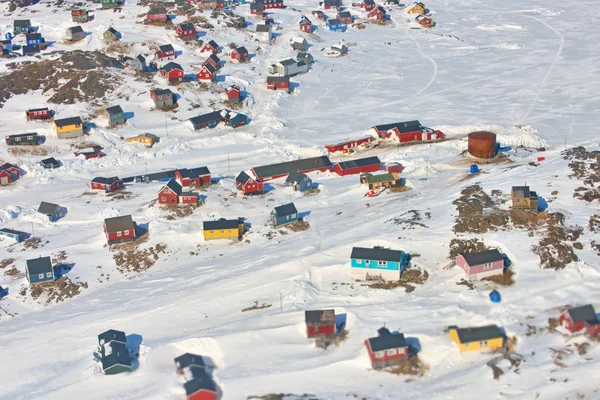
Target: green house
x,y
111,3
116,116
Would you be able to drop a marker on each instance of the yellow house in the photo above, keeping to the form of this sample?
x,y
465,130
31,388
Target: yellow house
x,y
147,139
223,229
417,8
480,338
68,128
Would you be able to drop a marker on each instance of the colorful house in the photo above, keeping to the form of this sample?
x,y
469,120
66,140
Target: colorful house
x,y
305,25
240,54
346,146
387,180
283,215
111,3
112,35
359,166
248,185
147,139
386,349
211,47
207,73
318,13
39,270
38,113
116,116
54,212
21,26
332,4
319,323
278,82
74,34
116,358
209,120
201,386
425,22
581,319
378,14
172,194
345,17
18,236
273,171
257,8
223,229
157,14
110,336
186,31
9,173
367,5
119,229
162,97
188,360
481,265
417,8
234,93
378,263
165,52
214,61
172,71
488,337
524,199
335,24
21,139
80,16
34,38
107,185
268,4
194,177
68,128
299,182
50,163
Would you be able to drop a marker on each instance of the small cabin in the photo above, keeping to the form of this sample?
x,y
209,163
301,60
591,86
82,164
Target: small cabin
x,y
248,185
581,319
107,185
378,263
320,323
223,229
39,270
488,337
522,198
298,181
50,163
386,349
18,236
53,212
116,115
284,215
119,229
187,361
483,264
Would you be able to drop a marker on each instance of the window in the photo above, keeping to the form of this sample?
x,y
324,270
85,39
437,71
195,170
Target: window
x,y
49,274
382,263
222,232
41,276
359,261
293,216
379,354
483,343
392,352
467,345
212,232
487,266
119,234
163,199
229,231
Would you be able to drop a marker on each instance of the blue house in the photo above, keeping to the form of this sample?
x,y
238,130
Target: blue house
x,y
298,181
5,45
236,120
335,24
39,270
111,335
378,263
115,358
11,233
3,292
285,214
21,26
34,38
54,212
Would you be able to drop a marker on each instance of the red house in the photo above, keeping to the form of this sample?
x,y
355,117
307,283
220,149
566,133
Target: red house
x,y
350,144
157,14
95,152
211,47
248,185
165,52
378,14
186,31
405,131
195,177
305,25
9,173
107,185
354,167
200,386
119,229
207,73
172,71
367,5
318,13
172,194
37,113
234,93
240,54
386,349
393,167
345,17
319,323
257,8
214,61
278,82
581,320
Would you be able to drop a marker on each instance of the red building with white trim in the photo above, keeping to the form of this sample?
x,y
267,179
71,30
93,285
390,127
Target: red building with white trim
x,y
248,185
581,319
119,229
319,323
386,349
360,166
350,144
107,185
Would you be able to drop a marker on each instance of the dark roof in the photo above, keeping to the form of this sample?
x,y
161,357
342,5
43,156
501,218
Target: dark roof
x,y
194,172
286,209
157,10
68,121
39,265
200,381
160,92
33,36
241,50
288,61
386,342
344,14
213,44
118,356
215,58
304,18
111,335
116,224
220,224
332,2
319,316
582,313
242,178
114,31
171,66
284,168
38,109
376,253
13,232
31,49
166,47
468,335
50,160
380,9
22,22
188,360
105,181
521,191
210,68
278,78
403,127
334,21
143,60
8,165
174,186
368,2
47,208
295,177
207,118
262,28
186,27
361,162
114,110
482,257
75,29
383,331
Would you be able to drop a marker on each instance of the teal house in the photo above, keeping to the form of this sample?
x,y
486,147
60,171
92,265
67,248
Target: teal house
x,y
111,3
115,357
378,263
116,116
283,215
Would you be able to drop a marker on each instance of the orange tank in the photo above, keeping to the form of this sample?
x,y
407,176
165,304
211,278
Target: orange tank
x,y
482,144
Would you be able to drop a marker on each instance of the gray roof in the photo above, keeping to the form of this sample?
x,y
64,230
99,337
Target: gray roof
x,y
361,162
319,316
220,224
482,257
334,21
344,14
114,31
200,381
31,49
241,50
289,61
160,92
332,3
13,232
286,209
295,177
187,27
47,208
521,191
278,78
284,168
39,265
583,313
262,28
468,335
376,253
189,360
22,23
403,127
386,342
193,173
117,224
68,121
105,181
111,335
114,110
75,29
215,58
52,161
157,10
118,356
171,66
33,36
141,58
208,118
174,186
166,48
242,178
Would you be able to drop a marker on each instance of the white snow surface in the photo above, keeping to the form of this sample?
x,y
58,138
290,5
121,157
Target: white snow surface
x,y
525,70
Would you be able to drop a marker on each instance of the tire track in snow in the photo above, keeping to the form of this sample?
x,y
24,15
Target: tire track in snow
x,y
423,55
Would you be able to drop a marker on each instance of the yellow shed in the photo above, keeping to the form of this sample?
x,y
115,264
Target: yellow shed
x,y
67,128
417,8
147,139
223,229
479,338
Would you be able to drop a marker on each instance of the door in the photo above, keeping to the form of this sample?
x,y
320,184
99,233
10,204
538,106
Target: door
x,y
4,180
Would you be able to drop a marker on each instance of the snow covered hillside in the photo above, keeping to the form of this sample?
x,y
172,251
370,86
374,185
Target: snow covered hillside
x,y
527,71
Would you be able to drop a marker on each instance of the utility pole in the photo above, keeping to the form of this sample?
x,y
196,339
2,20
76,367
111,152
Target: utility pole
x,y
281,301
32,231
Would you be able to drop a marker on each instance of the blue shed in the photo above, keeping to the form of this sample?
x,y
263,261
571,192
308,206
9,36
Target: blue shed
x,y
3,292
378,263
54,212
34,38
285,214
11,233
39,270
299,181
335,24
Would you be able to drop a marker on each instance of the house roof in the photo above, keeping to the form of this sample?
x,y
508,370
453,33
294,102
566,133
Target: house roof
x,y
13,232
385,342
241,50
188,360
171,66
209,67
263,28
47,208
166,47
68,121
521,191
200,381
303,19
384,177
303,55
117,224
334,21
319,316
344,14
75,29
242,178
141,58
278,78
295,177
220,224
403,127
194,172
332,3
8,166
51,160
582,313
115,354
39,265
161,92
114,110
361,162
111,335
157,10
33,36
377,253
368,2
105,181
482,257
284,168
468,335
215,58
31,49
187,27
208,118
174,186
286,209
113,31
213,44
288,61
22,23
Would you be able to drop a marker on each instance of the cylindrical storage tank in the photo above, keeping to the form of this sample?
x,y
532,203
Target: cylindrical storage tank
x,y
482,144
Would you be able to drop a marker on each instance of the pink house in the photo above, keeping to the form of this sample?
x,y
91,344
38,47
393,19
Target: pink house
x,y
481,265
